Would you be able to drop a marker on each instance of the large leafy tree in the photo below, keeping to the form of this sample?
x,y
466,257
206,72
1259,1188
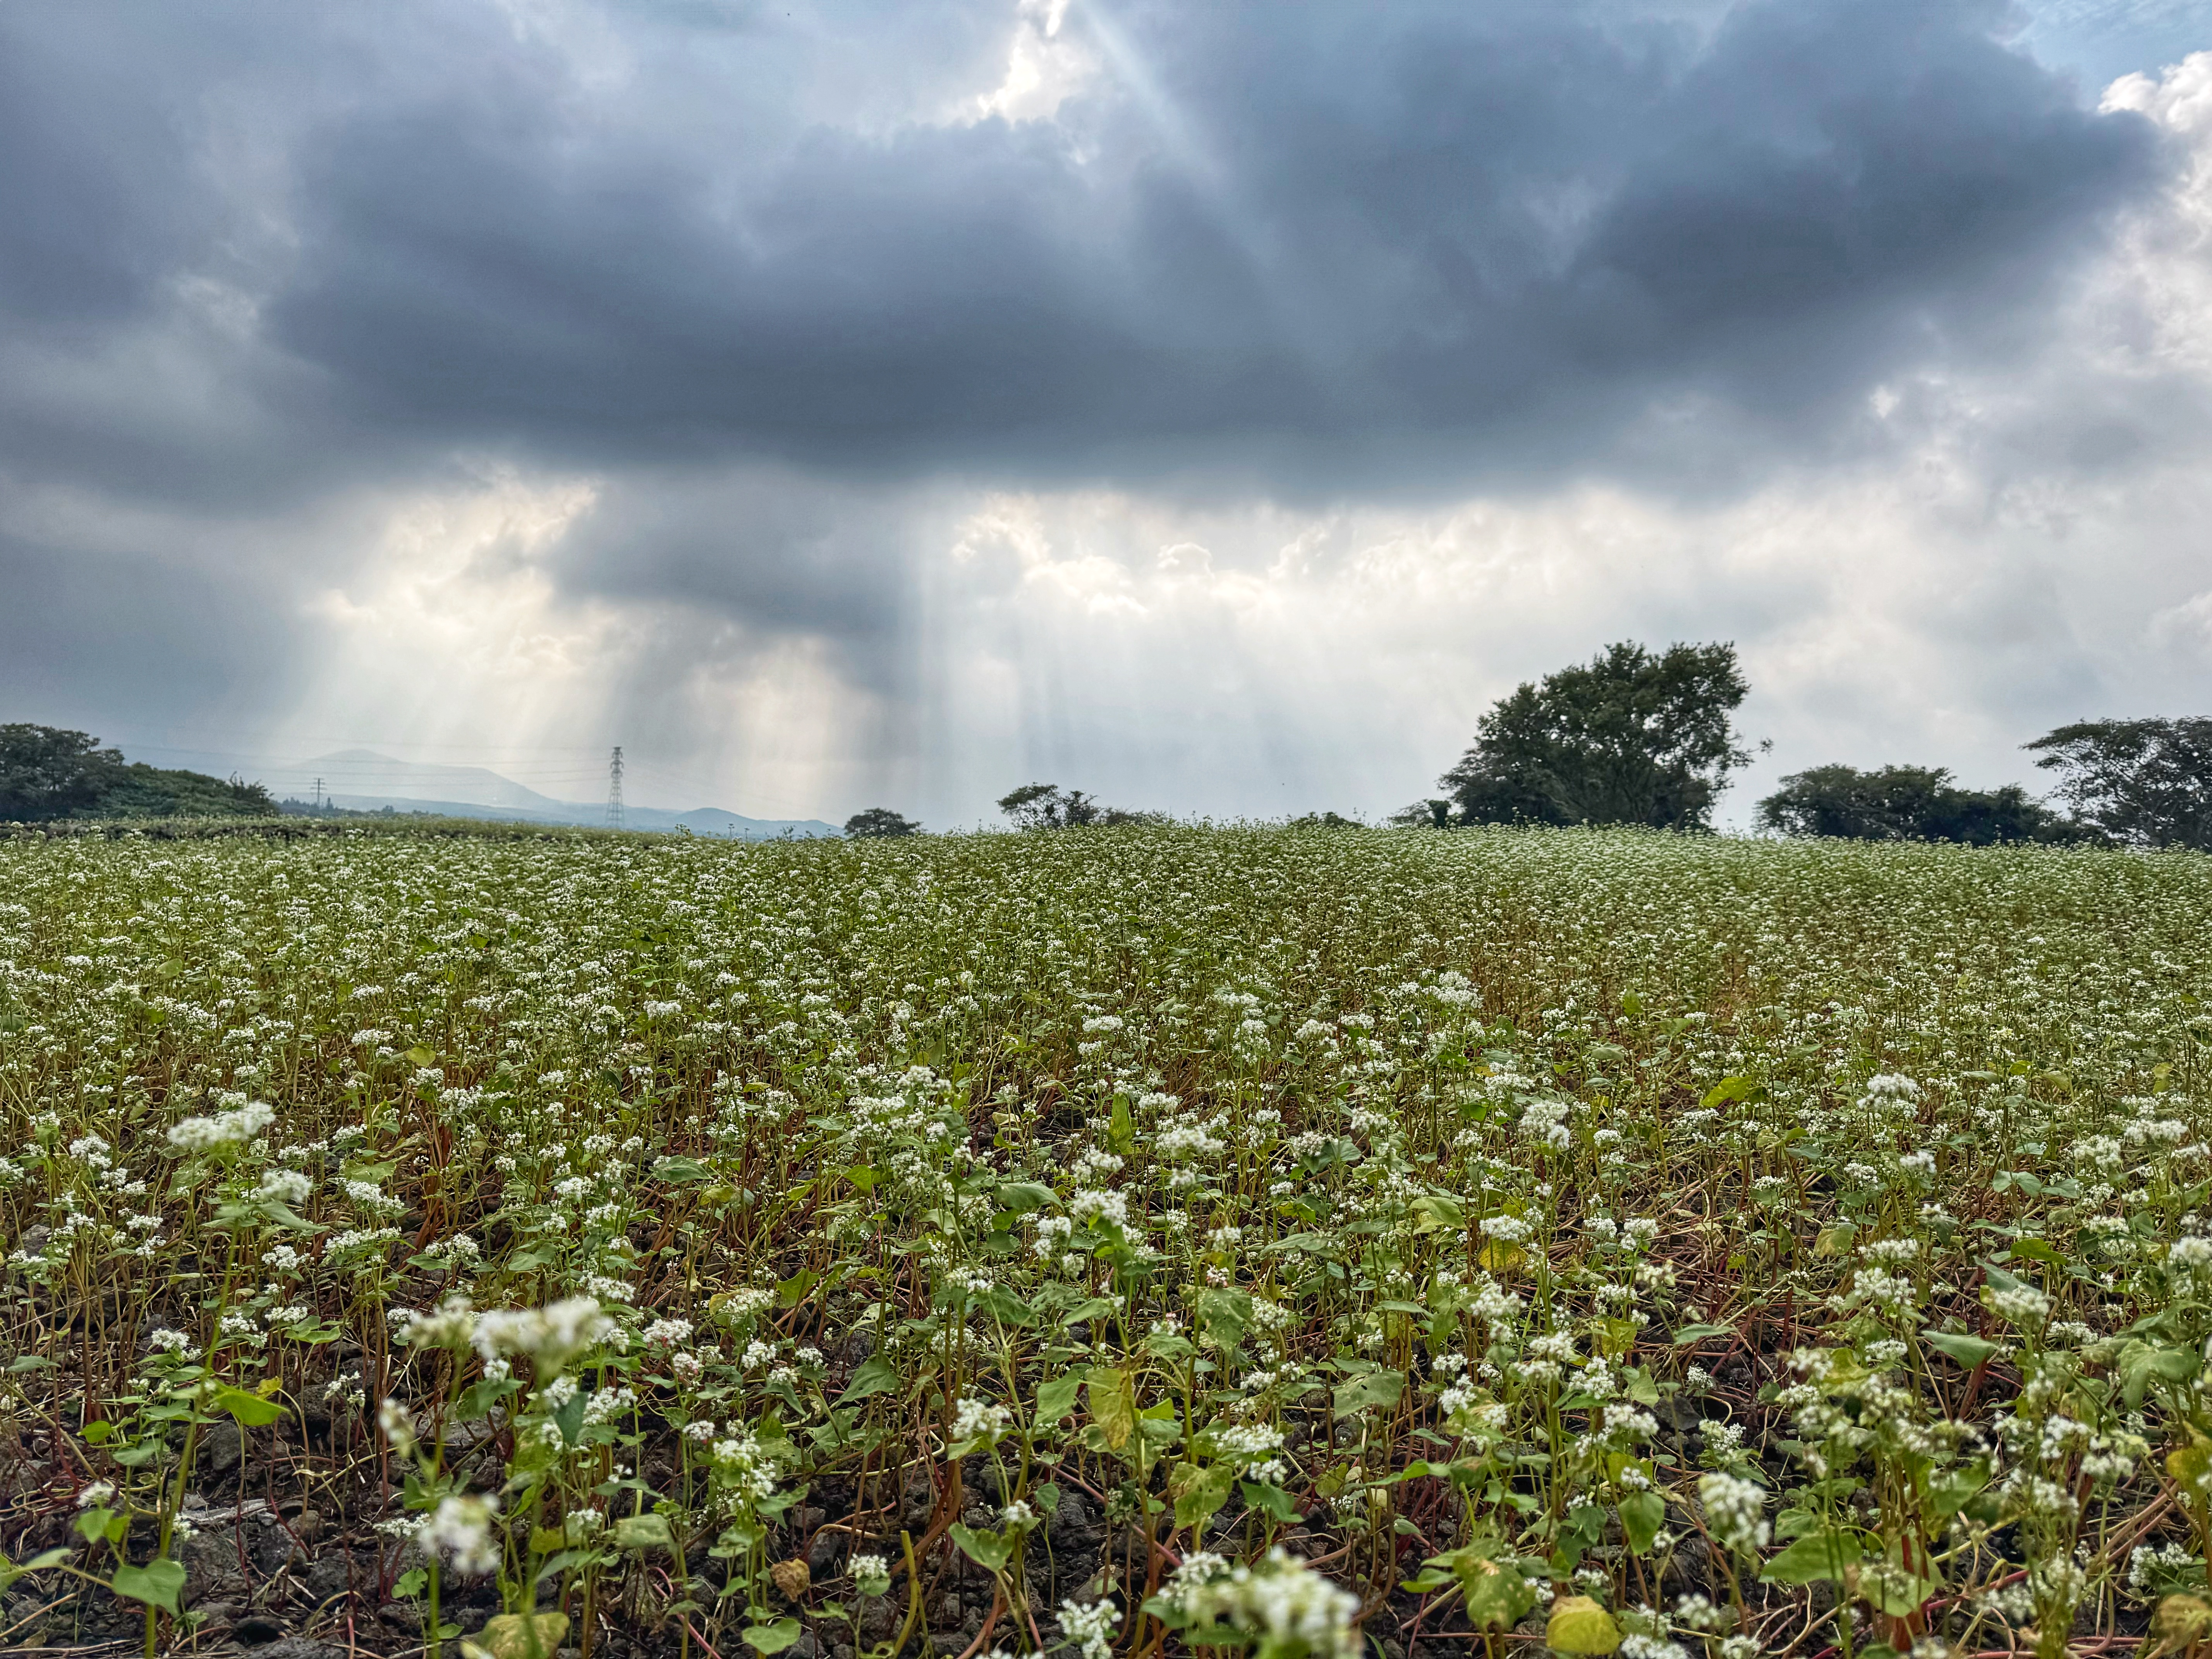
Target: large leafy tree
x,y
1047,806
1631,736
1907,803
48,773
880,824
2147,782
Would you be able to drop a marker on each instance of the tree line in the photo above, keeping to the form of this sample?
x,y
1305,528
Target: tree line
x,y
1639,737
1648,738
48,773
1032,807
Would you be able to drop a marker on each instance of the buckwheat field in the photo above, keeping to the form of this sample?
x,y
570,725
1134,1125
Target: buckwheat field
x,y
1103,1243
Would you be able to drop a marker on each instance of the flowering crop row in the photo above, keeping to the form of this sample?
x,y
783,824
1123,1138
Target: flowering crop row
x,y
1115,1241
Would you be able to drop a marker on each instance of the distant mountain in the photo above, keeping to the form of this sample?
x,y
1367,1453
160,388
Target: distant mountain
x,y
474,791
363,772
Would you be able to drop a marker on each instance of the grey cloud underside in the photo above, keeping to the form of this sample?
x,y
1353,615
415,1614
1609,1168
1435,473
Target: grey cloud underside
x,y
111,640
1318,247
789,553
260,261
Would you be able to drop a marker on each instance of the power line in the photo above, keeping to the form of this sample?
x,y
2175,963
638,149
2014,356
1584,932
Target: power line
x,y
614,790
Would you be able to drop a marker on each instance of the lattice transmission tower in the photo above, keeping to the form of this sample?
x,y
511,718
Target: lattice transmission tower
x,y
614,790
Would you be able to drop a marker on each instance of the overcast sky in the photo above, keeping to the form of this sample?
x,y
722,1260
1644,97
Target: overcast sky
x,y
1214,406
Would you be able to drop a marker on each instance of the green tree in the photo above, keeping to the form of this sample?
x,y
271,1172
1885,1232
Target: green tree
x,y
140,791
1907,803
1631,736
2146,782
1430,814
1047,806
879,824
48,773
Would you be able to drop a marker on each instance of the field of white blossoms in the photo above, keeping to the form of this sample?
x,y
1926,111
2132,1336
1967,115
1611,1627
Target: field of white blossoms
x,y
1110,1241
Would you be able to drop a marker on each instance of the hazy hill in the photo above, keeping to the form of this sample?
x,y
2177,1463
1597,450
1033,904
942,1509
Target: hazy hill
x,y
361,779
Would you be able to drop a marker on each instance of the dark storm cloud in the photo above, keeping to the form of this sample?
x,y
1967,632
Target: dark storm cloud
x,y
125,637
266,268
1297,240
789,553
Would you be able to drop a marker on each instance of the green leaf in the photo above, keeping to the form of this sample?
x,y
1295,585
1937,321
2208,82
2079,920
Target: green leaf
x,y
642,1532
1198,1492
1225,1314
2140,1362
1438,1214
1578,1625
1023,1196
10,1572
1689,1333
1728,1089
568,1418
1272,1501
1056,1399
2181,1621
1968,1351
520,1636
1360,1394
1955,1491
790,1292
1003,1305
156,1584
1112,1407
773,1638
285,1215
680,1171
1497,1596
1893,1590
1642,1515
250,1409
1820,1556
872,1375
987,1550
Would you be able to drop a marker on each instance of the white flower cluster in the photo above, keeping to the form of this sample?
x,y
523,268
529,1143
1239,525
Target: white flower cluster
x,y
1544,1123
1736,1512
743,1469
285,1186
1095,1204
1253,1448
460,1531
551,1336
870,1574
1090,1628
452,1325
974,1418
231,1129
1294,1612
